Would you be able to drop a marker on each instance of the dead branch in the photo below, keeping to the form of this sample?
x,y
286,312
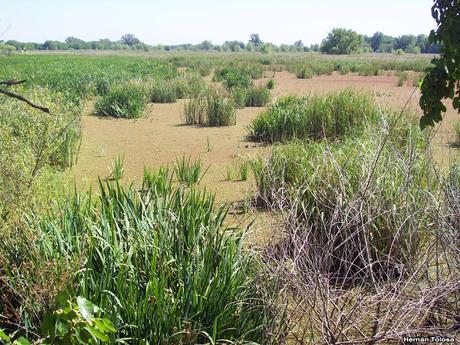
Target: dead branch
x,y
25,100
12,82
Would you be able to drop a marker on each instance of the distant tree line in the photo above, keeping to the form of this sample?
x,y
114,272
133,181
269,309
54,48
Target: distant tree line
x,y
343,41
338,41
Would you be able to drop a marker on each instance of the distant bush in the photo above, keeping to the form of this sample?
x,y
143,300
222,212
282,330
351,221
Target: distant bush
x,y
250,97
403,77
211,108
270,84
257,97
239,96
332,115
125,101
163,92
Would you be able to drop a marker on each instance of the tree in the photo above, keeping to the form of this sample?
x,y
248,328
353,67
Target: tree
x,y
376,40
342,41
255,40
442,81
130,39
299,46
206,45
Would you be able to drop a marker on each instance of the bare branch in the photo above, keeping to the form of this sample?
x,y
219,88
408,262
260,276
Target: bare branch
x,y
12,82
25,100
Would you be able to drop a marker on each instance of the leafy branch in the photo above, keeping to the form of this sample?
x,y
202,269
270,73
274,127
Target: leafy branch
x,y
442,80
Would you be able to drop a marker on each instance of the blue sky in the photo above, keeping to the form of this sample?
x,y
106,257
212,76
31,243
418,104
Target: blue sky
x,y
181,21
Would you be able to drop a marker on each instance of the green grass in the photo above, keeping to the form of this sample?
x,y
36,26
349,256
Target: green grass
x,y
211,108
257,97
162,259
270,84
457,131
162,92
117,170
123,101
329,116
187,171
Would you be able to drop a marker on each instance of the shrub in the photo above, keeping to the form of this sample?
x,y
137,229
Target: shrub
x,y
329,185
271,84
402,78
331,116
163,92
257,97
233,78
304,73
220,111
125,101
239,96
211,108
161,259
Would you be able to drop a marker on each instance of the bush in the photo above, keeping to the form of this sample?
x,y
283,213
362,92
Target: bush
x,y
233,78
257,97
339,192
239,96
211,108
161,259
270,84
163,92
331,116
125,101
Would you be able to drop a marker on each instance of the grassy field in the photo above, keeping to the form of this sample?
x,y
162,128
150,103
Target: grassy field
x,y
226,198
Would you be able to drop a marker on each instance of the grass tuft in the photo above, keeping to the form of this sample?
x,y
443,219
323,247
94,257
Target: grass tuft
x,y
124,101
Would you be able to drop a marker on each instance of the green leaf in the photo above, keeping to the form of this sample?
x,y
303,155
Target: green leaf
x,y
61,327
3,336
21,341
86,308
96,333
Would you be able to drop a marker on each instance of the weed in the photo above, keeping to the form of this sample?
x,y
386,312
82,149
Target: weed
x,y
315,117
187,171
126,101
270,84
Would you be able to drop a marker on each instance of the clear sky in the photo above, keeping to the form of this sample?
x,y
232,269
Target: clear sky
x,y
181,21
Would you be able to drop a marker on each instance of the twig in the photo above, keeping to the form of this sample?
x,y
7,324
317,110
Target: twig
x,y
12,82
25,100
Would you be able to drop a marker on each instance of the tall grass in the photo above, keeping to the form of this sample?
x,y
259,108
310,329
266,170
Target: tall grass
x,y
187,171
162,260
162,92
124,101
257,97
331,116
326,181
211,108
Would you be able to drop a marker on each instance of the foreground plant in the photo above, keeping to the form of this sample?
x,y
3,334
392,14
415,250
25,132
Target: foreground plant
x,y
367,249
161,259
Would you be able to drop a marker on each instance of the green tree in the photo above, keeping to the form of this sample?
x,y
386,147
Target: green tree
x,y
130,39
376,40
342,41
255,40
442,81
